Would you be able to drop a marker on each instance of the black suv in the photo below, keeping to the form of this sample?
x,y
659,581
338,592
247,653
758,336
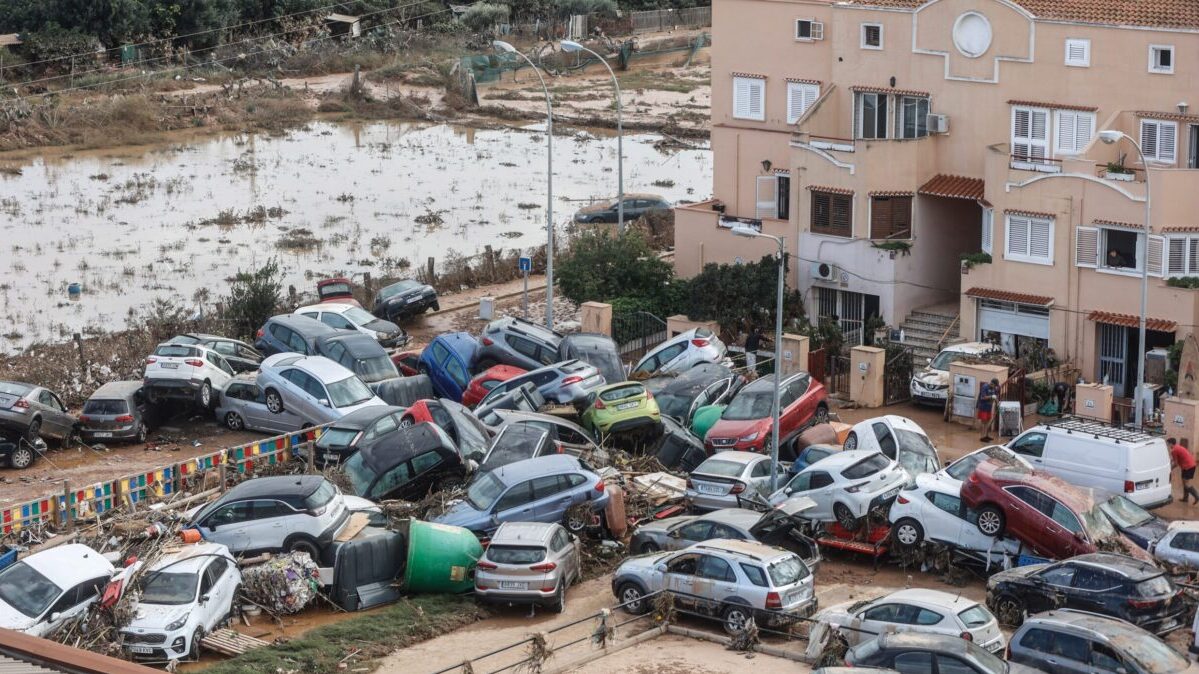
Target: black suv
x,y
420,459
1102,582
358,353
292,333
405,298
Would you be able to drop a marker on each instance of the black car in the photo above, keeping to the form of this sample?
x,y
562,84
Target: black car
x,y
365,427
241,356
526,398
517,442
469,434
705,384
405,298
1139,525
923,652
289,333
1101,582
17,451
635,206
678,449
420,459
359,353
594,349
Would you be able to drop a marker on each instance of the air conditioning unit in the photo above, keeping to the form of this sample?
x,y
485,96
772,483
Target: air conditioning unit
x,y
937,123
823,271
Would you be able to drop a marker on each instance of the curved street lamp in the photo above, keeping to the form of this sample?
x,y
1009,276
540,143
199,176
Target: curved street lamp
x,y
572,46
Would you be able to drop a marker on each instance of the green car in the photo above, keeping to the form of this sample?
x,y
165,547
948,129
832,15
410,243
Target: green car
x,y
621,408
705,418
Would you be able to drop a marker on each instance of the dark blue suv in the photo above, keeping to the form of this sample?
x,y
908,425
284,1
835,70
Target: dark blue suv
x,y
448,361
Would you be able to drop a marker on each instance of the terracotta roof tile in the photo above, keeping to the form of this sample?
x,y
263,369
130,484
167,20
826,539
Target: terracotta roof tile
x,y
1175,116
1008,296
1131,321
1163,13
1031,214
1056,106
1117,223
833,190
892,193
756,76
803,80
954,187
887,90
1181,229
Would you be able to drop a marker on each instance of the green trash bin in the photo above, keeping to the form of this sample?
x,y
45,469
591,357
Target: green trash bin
x,y
441,558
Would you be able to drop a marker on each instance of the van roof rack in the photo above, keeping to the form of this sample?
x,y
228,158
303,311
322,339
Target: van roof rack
x,y
1099,429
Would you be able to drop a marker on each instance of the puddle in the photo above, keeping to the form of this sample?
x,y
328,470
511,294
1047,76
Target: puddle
x,y
175,221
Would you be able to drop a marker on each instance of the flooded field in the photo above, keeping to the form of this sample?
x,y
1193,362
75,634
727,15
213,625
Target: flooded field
x,y
175,221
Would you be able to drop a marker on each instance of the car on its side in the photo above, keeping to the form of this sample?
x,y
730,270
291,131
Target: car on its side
x,y
932,510
678,449
469,434
117,410
725,479
573,438
365,427
313,388
570,381
1179,546
897,438
594,349
359,354
680,395
42,591
515,341
517,442
635,206
241,356
1137,524
186,372
930,385
734,580
185,595
448,360
627,407
1080,642
407,362
912,652
405,298
681,353
337,291
354,317
483,383
242,406
846,486
745,425
419,460
916,610
542,489
524,398
289,333
529,563
1103,582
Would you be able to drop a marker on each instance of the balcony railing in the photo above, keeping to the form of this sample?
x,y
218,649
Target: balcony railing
x,y
1025,162
831,143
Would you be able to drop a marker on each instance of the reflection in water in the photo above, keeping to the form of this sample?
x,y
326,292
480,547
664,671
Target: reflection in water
x,y
136,224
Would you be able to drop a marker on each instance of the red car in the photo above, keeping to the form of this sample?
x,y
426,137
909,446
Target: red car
x,y
483,382
339,290
1054,518
744,425
407,362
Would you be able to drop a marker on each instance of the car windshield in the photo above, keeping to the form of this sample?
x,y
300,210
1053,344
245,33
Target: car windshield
x,y
170,588
975,616
621,392
471,439
336,289
101,407
515,554
916,463
1154,655
720,467
866,467
23,588
349,391
484,490
946,358
14,389
1098,525
1123,513
913,441
376,369
337,437
358,316
361,476
961,469
397,288
673,404
750,405
1156,586
787,571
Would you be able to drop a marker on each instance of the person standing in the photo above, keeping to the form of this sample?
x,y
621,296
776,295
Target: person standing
x,y
752,343
987,395
1181,456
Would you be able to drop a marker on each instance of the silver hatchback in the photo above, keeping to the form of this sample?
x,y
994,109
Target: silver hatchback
x,y
529,563
726,478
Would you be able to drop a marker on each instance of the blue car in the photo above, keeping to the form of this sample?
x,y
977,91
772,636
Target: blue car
x,y
448,361
540,489
810,455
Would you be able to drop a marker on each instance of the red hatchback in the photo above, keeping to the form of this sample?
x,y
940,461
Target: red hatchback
x,y
744,425
1052,517
339,290
483,382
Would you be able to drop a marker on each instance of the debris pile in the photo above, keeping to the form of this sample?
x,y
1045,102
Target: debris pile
x,y
284,584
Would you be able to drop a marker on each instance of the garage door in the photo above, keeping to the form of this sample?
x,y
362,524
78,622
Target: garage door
x,y
1028,320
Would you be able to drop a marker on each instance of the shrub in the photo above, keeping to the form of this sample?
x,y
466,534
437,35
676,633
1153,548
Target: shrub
x,y
482,17
601,266
253,298
740,295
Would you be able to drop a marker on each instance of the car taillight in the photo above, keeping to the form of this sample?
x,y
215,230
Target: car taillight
x,y
194,362
546,567
974,478
600,486
487,341
1129,487
738,487
574,379
699,342
599,404
260,333
967,636
151,360
1143,603
123,419
487,565
856,488
317,512
903,500
84,418
774,600
21,404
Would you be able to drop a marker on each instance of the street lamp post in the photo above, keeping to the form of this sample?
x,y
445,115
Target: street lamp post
x,y
1111,137
549,183
572,46
743,230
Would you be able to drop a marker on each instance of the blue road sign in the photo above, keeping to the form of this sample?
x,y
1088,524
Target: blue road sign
x,y
526,264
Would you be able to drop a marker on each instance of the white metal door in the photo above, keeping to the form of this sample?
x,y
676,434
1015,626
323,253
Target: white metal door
x,y
1113,356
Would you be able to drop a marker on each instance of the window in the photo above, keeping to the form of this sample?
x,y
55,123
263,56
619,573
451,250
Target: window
x,y
913,116
425,461
561,540
234,513
1186,540
1161,58
891,218
336,321
390,480
872,36
696,531
457,372
1094,580
807,29
767,190
749,98
948,503
1030,135
1158,140
800,97
1072,647
516,496
947,664
1034,498
871,111
1063,516
832,213
784,196
1121,247
548,485
914,662
821,479
886,613
1074,131
714,568
724,531
215,570
1037,640
1183,259
1105,659
755,574
683,565
988,230
1078,53
1030,444
1058,576
1029,239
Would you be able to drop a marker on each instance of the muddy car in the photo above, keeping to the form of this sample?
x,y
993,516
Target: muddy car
x,y
35,412
336,291
117,410
403,299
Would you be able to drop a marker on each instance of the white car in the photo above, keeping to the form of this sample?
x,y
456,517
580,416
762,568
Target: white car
x,y
897,438
931,384
846,486
185,596
682,352
350,317
186,372
958,470
42,591
1180,545
932,510
916,610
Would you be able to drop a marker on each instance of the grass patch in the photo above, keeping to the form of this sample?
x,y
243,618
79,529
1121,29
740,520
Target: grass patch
x,y
377,633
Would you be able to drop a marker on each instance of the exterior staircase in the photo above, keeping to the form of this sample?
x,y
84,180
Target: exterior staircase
x,y
929,329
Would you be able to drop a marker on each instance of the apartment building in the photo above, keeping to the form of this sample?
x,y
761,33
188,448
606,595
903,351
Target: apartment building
x,y
887,139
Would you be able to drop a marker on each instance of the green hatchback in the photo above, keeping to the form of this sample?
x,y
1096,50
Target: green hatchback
x,y
621,408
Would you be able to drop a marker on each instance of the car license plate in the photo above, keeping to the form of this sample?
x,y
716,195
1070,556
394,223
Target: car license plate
x,y
144,650
710,489
170,366
890,494
1144,484
513,585
329,457
627,406
413,300
102,434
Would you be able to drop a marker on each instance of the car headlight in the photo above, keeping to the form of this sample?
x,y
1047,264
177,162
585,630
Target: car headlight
x,y
178,624
749,438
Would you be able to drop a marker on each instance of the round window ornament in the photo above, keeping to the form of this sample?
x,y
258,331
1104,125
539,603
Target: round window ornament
x,y
972,34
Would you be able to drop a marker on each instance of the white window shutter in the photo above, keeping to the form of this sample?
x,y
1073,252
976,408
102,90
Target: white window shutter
x,y
1078,52
1039,133
767,196
1176,258
740,97
800,97
988,230
1149,138
1040,239
1086,247
817,30
1157,246
1067,121
1017,235
1166,133
1020,124
1084,130
811,93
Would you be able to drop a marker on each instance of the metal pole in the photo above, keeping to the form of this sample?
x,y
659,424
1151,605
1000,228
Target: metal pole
x,y
524,303
1139,415
619,141
549,198
778,361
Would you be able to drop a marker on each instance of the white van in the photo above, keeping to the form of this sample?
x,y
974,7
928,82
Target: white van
x,y
1091,454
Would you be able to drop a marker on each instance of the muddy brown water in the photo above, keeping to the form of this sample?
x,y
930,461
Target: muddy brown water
x,y
174,220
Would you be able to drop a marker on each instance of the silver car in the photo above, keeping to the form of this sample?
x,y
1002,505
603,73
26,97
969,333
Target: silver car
x,y
313,388
117,410
566,382
529,563
574,439
728,478
682,352
35,412
916,610
1070,641
735,580
515,341
243,407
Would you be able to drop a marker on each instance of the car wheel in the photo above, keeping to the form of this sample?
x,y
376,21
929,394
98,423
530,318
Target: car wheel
x,y
845,517
632,599
1009,610
72,438
194,653
204,395
648,548
305,545
35,430
908,533
274,402
234,421
821,416
736,618
990,521
574,524
407,422
22,457
436,306
851,441
559,605
143,434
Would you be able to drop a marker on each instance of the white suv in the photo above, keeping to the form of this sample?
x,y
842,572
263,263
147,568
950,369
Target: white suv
x,y
846,486
187,372
930,385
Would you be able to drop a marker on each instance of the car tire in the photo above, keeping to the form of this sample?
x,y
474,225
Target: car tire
x,y
735,618
1009,610
234,422
143,434
73,438
632,598
648,548
22,457
908,534
274,401
204,395
194,653
990,521
851,440
407,422
845,517
574,525
304,545
436,306
821,416
559,604
33,433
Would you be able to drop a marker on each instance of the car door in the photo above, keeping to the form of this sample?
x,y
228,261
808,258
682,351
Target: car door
x,y
1181,548
944,521
715,582
679,578
55,420
1027,516
220,371
209,598
693,532
1069,654
315,394
1091,588
551,498
73,602
915,662
427,467
873,620
1031,446
759,477
526,349
1050,588
270,524
672,357
228,525
799,406
885,439
516,505
395,482
1066,531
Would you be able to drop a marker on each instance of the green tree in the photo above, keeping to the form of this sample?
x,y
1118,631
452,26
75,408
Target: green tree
x,y
253,298
740,295
602,266
482,16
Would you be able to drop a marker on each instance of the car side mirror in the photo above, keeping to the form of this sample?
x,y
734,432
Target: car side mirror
x,y
661,568
204,599
674,534
788,491
211,526
324,402
54,617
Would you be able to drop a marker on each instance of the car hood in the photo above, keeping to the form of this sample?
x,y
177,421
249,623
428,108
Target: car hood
x,y
460,514
664,525
421,290
737,428
157,616
642,562
357,504
932,377
1151,531
11,618
380,325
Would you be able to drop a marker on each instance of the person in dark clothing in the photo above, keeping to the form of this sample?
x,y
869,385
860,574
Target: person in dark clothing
x,y
988,393
752,343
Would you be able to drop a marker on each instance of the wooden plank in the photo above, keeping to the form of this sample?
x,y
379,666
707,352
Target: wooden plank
x,y
229,642
357,523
